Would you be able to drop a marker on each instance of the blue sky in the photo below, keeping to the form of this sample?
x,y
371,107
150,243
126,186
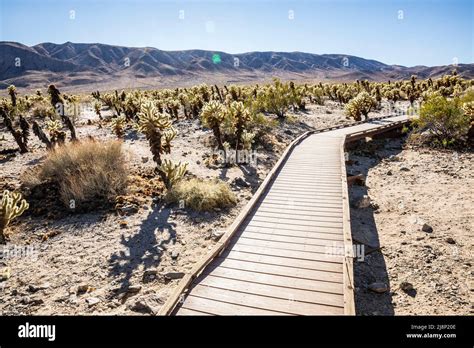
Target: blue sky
x,y
427,32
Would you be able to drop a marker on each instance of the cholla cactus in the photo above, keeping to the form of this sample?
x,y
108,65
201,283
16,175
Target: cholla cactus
x,y
12,92
168,136
20,136
12,205
172,172
240,116
154,125
360,105
247,139
55,133
98,108
468,109
212,116
118,126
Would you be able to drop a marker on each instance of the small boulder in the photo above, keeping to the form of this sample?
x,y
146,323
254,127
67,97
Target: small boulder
x,y
378,287
239,182
216,235
364,202
174,275
426,228
450,240
92,301
35,288
406,286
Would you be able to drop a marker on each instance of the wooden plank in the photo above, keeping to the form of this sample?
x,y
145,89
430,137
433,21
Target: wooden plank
x,y
298,212
301,207
321,222
335,300
290,239
287,227
302,255
222,308
276,280
281,233
277,260
186,311
286,271
320,249
288,306
296,217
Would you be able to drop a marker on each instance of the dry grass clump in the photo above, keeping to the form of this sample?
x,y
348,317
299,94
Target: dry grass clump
x,y
201,195
87,171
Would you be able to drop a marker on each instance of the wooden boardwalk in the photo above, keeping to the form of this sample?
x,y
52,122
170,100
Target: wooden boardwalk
x,y
286,253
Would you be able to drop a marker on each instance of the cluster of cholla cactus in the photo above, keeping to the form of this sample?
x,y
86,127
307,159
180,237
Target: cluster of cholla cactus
x,y
360,106
276,99
172,172
11,206
118,126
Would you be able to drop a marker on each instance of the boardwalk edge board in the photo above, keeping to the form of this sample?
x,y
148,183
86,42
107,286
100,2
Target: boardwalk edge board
x,y
179,292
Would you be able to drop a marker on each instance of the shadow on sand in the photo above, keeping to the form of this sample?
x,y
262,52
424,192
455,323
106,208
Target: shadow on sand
x,y
144,247
372,269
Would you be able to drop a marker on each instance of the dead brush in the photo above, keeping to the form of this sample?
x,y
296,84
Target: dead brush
x,y
202,195
87,173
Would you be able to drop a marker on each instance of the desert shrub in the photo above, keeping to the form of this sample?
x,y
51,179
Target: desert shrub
x,y
444,120
87,171
201,195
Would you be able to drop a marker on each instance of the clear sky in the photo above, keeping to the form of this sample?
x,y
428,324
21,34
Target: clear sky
x,y
408,32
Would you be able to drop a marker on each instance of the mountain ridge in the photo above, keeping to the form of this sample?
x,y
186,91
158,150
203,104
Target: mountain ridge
x,y
79,64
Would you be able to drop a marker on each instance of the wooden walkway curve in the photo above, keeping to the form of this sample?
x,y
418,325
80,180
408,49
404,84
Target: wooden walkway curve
x,y
285,253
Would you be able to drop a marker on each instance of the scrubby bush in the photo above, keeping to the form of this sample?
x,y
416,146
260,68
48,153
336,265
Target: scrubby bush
x,y
202,195
444,120
85,172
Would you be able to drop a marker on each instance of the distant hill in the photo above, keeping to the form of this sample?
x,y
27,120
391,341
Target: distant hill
x,y
107,67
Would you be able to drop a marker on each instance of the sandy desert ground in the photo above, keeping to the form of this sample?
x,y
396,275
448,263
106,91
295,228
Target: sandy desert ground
x,y
128,259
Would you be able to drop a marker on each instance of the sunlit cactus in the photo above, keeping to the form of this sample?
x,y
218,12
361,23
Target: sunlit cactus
x,y
11,206
172,172
360,105
56,134
241,116
98,109
12,92
468,109
153,124
118,126
20,136
212,115
247,139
